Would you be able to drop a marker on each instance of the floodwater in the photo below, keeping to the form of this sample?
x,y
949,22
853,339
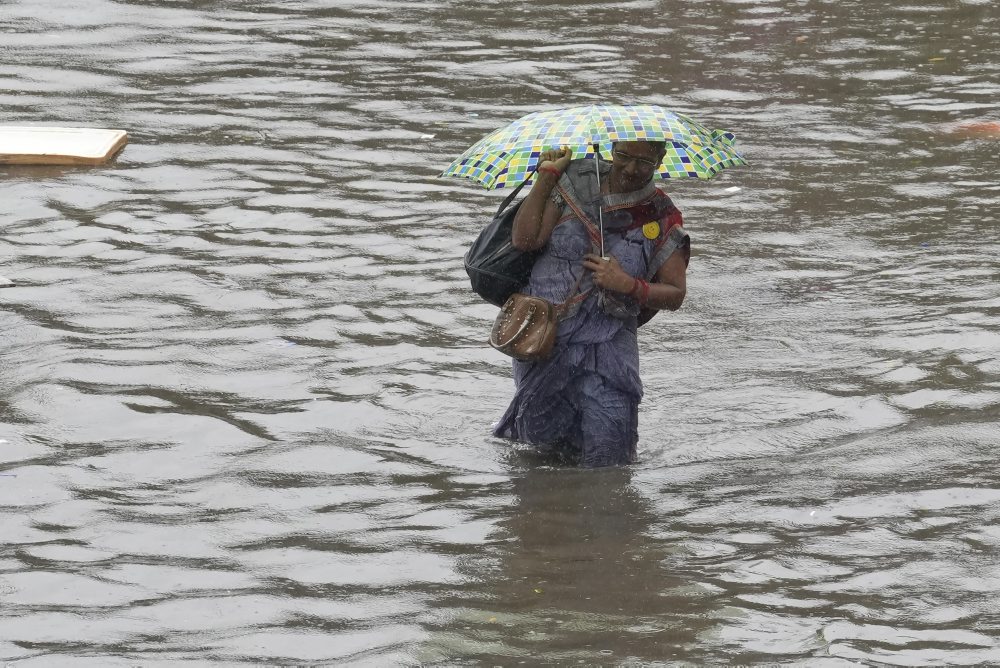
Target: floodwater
x,y
245,398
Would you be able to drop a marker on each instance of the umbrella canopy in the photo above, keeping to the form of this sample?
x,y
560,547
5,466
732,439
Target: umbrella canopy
x,y
507,156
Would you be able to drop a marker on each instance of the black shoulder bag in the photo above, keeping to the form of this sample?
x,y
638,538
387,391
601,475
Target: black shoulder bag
x,y
496,269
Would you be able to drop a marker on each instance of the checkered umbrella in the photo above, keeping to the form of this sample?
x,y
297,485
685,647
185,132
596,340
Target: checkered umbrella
x,y
507,156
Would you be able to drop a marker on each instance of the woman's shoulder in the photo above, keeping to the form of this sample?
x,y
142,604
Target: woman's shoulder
x,y
578,183
585,166
663,199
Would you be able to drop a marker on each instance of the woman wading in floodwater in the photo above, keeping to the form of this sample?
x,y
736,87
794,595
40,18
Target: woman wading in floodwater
x,y
581,404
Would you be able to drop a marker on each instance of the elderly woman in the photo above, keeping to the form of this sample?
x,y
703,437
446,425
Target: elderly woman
x,y
581,404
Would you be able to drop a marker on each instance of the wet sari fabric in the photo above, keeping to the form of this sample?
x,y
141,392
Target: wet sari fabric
x,y
582,402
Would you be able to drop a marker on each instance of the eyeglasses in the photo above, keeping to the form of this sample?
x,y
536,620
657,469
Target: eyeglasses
x,y
643,162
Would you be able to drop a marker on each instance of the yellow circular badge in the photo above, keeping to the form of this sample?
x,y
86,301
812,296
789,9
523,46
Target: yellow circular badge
x,y
651,230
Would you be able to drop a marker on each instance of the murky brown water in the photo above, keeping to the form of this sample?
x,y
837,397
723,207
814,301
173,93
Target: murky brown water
x,y
244,392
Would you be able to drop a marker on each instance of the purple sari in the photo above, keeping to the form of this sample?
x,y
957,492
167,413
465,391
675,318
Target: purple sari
x,y
582,403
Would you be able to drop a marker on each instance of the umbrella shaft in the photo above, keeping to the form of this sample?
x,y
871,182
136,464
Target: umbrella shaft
x,y
600,196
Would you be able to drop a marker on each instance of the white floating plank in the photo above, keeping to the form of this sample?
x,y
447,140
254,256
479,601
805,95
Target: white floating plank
x,y
59,146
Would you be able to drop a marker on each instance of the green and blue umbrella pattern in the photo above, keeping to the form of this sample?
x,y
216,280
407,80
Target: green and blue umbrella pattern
x,y
507,156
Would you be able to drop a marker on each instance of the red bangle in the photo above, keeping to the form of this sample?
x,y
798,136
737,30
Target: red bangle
x,y
550,170
644,297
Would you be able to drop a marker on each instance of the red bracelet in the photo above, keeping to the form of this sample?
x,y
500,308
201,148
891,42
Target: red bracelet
x,y
643,289
551,170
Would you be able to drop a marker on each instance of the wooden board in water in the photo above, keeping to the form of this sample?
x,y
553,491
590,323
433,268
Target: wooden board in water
x,y
59,146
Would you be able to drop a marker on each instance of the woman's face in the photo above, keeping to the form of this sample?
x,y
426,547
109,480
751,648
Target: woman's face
x,y
634,163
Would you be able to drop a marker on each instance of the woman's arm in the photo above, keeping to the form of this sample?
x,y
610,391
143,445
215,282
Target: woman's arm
x,y
538,214
670,288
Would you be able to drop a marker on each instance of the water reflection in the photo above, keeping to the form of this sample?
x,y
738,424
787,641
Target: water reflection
x,y
577,574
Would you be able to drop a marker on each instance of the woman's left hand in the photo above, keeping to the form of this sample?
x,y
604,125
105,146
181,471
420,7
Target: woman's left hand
x,y
608,274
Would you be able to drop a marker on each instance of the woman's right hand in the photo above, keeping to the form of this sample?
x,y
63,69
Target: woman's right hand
x,y
556,158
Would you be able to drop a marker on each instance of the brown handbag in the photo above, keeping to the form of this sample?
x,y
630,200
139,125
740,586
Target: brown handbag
x,y
525,328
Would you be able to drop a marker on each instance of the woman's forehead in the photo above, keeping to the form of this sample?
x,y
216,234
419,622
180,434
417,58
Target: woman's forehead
x,y
638,149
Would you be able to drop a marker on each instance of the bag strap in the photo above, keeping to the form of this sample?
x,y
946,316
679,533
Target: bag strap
x,y
589,225
595,238
513,193
574,297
